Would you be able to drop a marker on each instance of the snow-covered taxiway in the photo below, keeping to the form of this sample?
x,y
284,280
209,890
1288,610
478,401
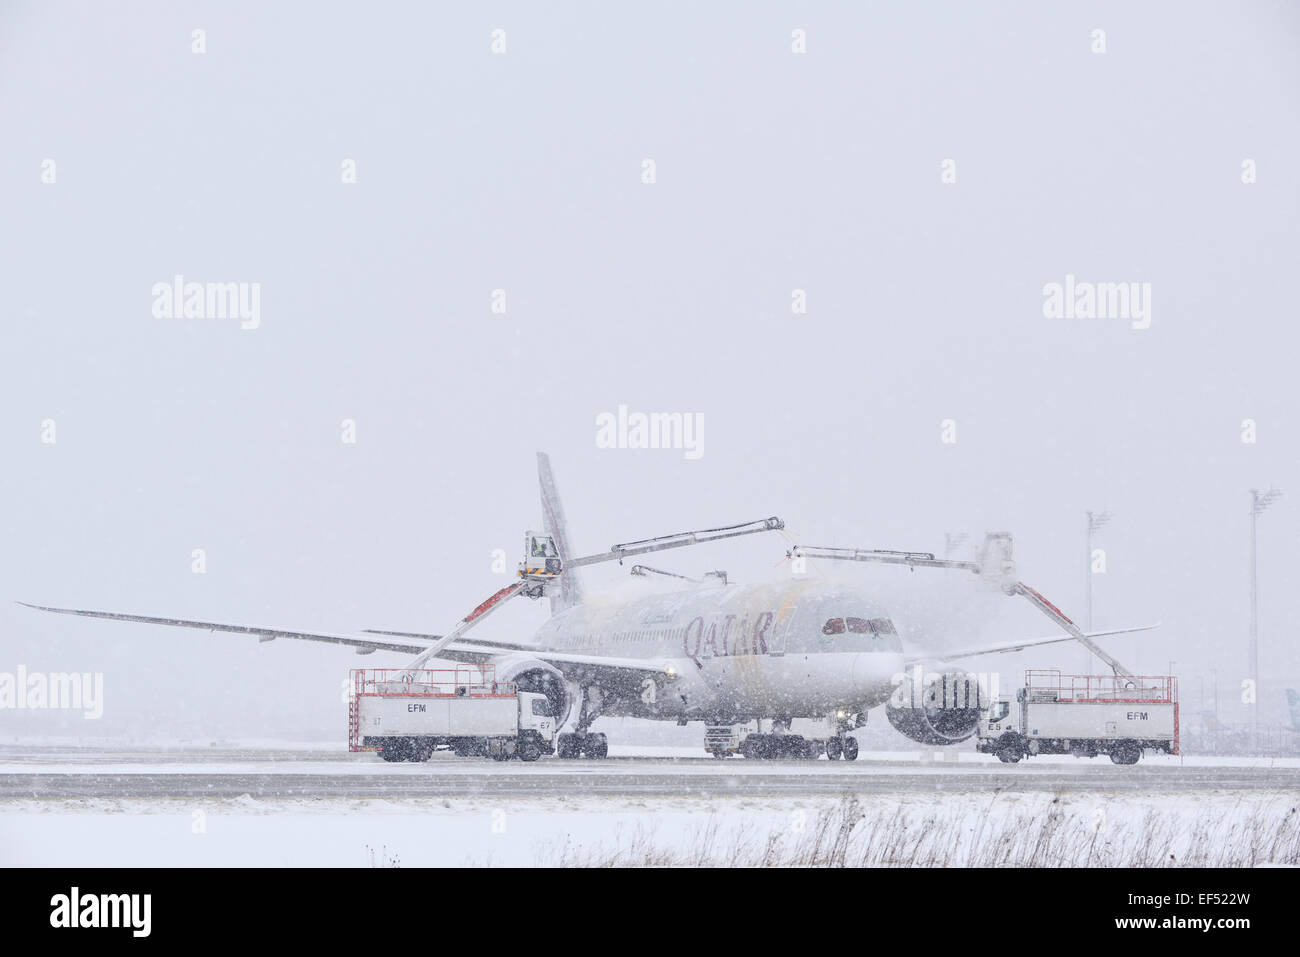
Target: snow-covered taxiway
x,y
66,772
276,805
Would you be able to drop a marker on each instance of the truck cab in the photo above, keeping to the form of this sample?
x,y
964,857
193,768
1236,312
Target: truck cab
x,y
998,718
536,719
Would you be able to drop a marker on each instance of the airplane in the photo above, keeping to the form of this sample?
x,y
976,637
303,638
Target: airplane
x,y
712,650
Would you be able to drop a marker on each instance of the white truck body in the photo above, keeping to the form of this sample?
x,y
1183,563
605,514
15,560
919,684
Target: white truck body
x,y
1101,719
406,716
1083,715
440,717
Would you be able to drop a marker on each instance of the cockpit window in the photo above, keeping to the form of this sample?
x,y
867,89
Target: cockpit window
x,y
859,626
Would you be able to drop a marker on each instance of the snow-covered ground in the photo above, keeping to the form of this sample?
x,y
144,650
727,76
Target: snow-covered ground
x,y
1146,829
1083,818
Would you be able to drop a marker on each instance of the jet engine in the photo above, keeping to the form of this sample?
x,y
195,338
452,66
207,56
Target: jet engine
x,y
941,708
531,674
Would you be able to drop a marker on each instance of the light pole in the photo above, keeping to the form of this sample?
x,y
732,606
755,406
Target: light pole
x,y
1095,521
1214,675
1258,502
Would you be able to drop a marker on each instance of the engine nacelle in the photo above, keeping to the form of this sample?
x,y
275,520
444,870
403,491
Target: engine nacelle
x,y
941,708
532,674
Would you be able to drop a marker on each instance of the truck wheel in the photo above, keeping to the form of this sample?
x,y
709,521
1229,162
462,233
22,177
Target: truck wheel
x,y
834,748
529,751
397,749
850,748
1125,754
566,746
596,746
1009,755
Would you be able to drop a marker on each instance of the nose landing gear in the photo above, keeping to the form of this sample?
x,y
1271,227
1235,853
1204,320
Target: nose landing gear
x,y
842,744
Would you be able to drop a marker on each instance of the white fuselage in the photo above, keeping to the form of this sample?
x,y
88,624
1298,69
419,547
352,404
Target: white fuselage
x,y
736,652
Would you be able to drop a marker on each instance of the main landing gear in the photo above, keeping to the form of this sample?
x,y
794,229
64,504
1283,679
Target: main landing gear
x,y
761,746
780,743
582,742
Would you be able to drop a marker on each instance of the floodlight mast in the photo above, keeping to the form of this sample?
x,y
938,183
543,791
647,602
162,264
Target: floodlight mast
x,y
1259,501
995,567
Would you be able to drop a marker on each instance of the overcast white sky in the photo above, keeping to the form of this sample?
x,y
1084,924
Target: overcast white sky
x,y
523,171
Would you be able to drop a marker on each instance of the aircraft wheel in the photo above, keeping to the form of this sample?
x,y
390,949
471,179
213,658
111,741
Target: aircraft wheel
x,y
850,748
834,748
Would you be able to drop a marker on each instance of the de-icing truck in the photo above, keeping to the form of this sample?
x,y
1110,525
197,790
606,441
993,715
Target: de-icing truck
x,y
407,714
1083,715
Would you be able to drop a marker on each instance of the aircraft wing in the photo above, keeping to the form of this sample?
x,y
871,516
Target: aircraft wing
x,y
364,645
604,670
1020,645
575,666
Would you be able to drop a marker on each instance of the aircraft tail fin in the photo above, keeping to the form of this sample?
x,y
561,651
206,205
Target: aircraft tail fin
x,y
554,524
